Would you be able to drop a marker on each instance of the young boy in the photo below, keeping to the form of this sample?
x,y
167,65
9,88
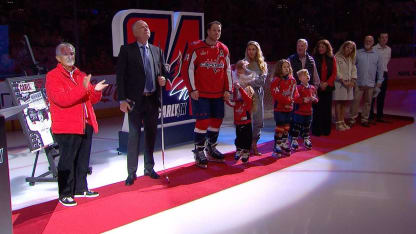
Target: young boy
x,y
284,91
302,117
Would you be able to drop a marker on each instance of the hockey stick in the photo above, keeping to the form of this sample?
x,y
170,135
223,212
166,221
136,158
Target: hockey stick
x,y
161,118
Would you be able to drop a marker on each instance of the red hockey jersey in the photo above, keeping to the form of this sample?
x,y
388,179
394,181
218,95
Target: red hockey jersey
x,y
307,96
284,92
207,69
241,106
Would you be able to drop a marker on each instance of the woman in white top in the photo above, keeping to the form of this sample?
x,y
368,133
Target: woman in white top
x,y
345,82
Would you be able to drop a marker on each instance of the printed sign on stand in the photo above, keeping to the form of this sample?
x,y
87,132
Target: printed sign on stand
x,y
36,118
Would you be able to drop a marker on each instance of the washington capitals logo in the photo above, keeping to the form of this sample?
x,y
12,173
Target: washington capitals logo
x,y
212,65
176,85
171,31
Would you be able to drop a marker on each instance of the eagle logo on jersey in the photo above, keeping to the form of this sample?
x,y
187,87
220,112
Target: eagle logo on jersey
x,y
239,110
221,53
187,57
276,90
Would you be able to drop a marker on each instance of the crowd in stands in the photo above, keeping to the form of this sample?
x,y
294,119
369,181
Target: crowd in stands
x,y
275,24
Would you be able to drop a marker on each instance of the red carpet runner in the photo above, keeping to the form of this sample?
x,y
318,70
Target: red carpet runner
x,y
119,205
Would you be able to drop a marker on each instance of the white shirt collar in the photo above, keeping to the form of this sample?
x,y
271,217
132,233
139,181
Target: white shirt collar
x,y
140,44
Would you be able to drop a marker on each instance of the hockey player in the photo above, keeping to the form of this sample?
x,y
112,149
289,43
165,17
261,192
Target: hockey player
x,y
302,117
284,92
207,73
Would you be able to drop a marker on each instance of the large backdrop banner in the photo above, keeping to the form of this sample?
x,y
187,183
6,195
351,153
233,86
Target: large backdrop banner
x,y
172,32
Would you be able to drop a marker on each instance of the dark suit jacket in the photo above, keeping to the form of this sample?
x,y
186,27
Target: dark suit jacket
x,y
130,71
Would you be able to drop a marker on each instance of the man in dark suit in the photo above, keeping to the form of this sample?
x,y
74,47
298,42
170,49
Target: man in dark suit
x,y
140,75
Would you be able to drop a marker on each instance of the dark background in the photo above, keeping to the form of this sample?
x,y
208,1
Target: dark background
x,y
275,24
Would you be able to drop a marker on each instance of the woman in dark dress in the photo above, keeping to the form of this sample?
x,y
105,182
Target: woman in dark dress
x,y
327,70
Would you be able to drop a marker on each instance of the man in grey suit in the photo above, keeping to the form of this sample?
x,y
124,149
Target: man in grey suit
x,y
140,75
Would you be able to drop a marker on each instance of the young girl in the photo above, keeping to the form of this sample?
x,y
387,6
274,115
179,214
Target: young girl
x,y
302,117
284,91
242,103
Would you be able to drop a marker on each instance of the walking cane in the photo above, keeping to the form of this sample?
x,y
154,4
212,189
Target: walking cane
x,y
161,119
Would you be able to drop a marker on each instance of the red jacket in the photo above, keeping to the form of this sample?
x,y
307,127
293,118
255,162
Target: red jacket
x,y
69,101
242,107
308,92
284,93
207,69
324,71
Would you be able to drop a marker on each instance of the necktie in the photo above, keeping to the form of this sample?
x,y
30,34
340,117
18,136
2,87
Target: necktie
x,y
147,69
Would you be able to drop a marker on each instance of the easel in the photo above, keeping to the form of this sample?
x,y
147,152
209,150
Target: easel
x,y
51,153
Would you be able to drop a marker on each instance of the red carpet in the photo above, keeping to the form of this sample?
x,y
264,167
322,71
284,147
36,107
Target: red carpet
x,y
119,205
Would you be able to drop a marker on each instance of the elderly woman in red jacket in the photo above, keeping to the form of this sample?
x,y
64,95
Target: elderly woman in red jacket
x,y
71,96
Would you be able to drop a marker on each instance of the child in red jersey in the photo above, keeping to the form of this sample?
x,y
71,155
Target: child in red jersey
x,y
284,92
302,117
242,103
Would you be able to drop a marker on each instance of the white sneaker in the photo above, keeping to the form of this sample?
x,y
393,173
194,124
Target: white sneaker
x,y
67,201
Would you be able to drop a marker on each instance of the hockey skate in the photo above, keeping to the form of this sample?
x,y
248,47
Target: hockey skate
x,y
245,155
294,144
285,148
213,154
237,154
307,143
200,159
277,150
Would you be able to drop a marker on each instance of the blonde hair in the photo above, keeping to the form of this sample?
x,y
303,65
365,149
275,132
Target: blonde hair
x,y
240,64
342,48
259,58
303,72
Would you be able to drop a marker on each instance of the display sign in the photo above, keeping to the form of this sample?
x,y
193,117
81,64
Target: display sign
x,y
36,118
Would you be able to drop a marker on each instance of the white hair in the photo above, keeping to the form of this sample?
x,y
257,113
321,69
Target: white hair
x,y
58,50
303,40
135,23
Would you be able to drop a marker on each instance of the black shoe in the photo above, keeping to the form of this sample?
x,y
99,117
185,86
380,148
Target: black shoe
x,y
152,174
365,124
67,201
326,133
130,179
316,133
88,193
381,120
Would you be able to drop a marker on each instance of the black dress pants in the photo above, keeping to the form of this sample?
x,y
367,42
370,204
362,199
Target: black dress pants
x,y
322,113
380,99
74,150
143,114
